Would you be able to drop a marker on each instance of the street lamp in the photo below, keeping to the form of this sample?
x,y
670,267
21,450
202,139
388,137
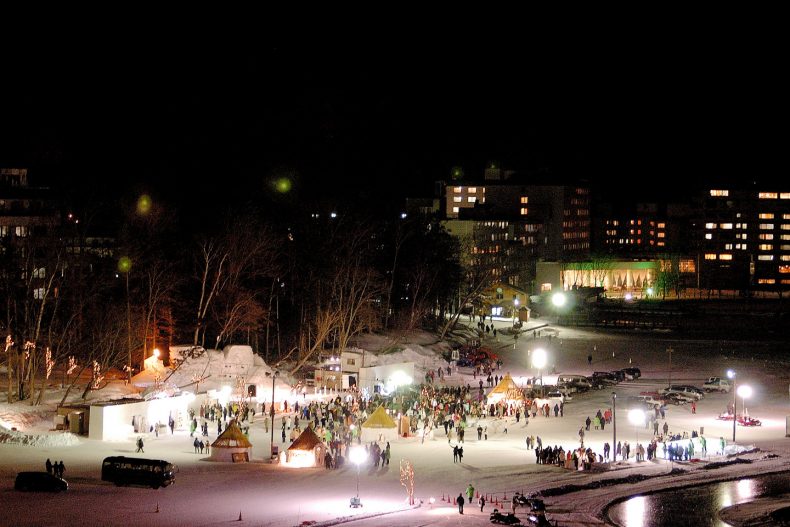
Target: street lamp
x,y
731,374
357,456
637,418
539,361
614,426
744,391
515,310
273,375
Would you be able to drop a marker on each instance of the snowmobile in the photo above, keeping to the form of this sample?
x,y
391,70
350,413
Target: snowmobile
x,y
504,519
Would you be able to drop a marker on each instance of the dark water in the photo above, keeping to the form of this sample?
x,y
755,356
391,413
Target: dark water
x,y
695,506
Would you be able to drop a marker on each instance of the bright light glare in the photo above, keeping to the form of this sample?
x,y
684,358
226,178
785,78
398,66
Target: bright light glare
x,y
744,391
649,290
156,352
636,416
399,378
628,296
558,299
730,374
539,358
357,455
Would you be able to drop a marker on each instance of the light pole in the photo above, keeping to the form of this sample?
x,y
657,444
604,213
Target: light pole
x,y
357,456
745,392
614,426
731,374
274,375
637,418
539,361
515,310
669,382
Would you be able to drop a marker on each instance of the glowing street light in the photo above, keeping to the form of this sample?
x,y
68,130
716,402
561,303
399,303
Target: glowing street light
x,y
539,361
637,418
558,299
744,392
515,310
357,455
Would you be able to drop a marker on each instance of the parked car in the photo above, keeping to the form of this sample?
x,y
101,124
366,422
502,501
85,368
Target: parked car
x,y
558,396
683,389
598,383
717,384
677,398
619,375
605,376
40,481
631,374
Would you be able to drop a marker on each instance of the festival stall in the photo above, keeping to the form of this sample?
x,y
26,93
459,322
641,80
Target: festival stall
x,y
231,445
506,392
379,427
306,451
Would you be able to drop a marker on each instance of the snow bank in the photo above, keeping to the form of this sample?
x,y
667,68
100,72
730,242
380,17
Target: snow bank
x,y
40,440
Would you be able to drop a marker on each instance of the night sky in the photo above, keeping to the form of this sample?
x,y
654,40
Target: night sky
x,y
203,122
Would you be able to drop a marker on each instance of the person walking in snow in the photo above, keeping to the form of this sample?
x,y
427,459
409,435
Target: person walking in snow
x,y
460,501
140,445
48,465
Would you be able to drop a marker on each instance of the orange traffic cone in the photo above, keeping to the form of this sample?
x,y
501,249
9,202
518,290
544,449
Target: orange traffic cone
x,y
239,516
504,498
455,502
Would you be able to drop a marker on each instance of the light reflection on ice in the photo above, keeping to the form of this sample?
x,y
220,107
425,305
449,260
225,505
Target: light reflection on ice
x,y
635,511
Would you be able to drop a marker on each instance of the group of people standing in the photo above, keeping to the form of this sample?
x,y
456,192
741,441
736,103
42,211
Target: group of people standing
x,y
56,468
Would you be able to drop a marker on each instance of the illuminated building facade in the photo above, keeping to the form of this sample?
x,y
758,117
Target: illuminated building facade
x,y
743,239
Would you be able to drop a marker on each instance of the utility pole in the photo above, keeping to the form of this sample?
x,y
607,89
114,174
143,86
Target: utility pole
x,y
670,350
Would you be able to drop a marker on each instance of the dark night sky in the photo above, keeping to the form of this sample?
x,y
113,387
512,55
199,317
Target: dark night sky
x,y
202,121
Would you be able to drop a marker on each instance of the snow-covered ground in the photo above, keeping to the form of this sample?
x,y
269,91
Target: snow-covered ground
x,y
264,494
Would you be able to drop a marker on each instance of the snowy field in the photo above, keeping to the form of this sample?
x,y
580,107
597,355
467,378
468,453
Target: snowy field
x,y
213,494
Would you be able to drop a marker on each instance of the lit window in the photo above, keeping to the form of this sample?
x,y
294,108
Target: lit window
x,y
472,190
661,244
741,246
717,193
786,216
709,256
741,235
726,226
632,222
710,225
766,281
784,269
525,200
766,247
725,256
765,257
471,199
727,246
455,209
458,199
741,225
784,195
769,226
785,281
766,216
785,236
708,236
662,226
767,195
457,189
524,211
766,236
785,258
786,226
784,247
661,235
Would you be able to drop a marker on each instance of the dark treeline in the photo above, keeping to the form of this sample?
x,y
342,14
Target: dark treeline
x,y
114,280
